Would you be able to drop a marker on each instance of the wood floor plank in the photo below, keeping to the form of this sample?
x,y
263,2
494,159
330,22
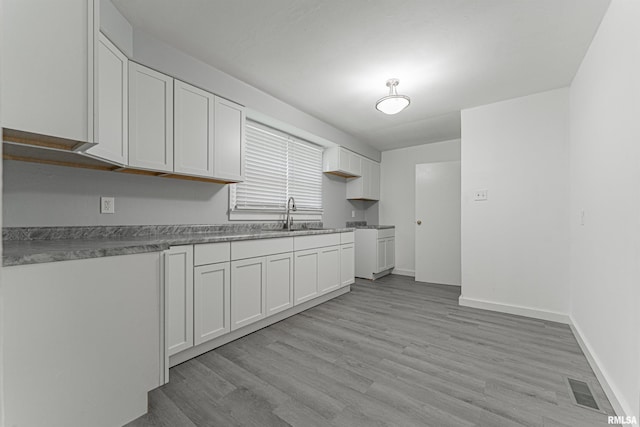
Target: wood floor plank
x,y
393,352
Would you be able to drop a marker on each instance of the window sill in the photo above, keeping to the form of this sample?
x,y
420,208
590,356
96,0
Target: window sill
x,y
248,215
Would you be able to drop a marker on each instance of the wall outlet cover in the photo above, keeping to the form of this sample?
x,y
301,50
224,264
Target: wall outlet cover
x,y
480,195
107,205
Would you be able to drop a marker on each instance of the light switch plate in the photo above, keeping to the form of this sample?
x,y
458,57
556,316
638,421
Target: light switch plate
x,y
480,195
107,205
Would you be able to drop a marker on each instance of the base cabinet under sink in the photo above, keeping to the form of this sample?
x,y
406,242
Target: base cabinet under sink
x,y
216,291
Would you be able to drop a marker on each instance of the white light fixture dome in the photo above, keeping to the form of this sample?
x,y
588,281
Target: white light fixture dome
x,y
393,103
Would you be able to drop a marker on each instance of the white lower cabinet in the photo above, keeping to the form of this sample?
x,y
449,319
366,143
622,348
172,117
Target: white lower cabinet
x,y
305,282
328,269
347,264
386,253
279,292
179,298
248,284
375,252
213,289
212,301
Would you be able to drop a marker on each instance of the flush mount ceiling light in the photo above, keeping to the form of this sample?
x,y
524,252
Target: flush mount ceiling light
x,y
393,103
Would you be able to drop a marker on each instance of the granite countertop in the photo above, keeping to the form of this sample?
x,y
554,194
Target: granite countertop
x,y
24,251
375,227
363,225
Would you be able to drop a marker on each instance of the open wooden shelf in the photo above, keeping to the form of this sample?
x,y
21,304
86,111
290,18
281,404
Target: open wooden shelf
x,y
34,148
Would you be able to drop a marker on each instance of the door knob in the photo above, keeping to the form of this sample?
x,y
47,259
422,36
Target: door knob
x,y
418,222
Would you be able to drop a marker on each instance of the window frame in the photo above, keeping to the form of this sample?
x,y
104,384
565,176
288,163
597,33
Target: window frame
x,y
278,214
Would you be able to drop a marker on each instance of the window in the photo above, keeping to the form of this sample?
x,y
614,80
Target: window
x,y
277,166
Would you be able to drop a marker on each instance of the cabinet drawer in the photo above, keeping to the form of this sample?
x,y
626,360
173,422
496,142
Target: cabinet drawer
x,y
347,237
262,247
211,253
302,243
386,232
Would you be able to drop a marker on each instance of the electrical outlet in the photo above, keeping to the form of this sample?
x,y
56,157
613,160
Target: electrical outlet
x,y
353,214
480,195
107,205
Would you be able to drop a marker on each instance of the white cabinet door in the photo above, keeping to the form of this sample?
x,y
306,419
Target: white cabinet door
x,y
305,282
374,181
48,67
367,187
355,164
382,255
248,278
328,269
229,140
150,119
344,160
193,130
113,115
212,301
390,252
279,292
179,298
347,264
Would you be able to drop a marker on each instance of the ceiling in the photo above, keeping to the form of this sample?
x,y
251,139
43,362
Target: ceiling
x,y
332,58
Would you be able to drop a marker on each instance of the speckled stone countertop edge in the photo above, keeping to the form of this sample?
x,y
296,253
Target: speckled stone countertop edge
x,y
374,227
24,252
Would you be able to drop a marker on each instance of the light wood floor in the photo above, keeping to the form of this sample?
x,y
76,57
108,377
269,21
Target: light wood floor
x,y
390,353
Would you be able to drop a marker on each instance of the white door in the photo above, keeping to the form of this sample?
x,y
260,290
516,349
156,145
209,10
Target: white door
x,y
279,293
113,102
179,298
248,278
329,269
305,282
211,301
193,130
150,119
437,225
381,255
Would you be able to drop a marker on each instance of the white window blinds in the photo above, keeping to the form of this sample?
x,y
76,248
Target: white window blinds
x,y
278,166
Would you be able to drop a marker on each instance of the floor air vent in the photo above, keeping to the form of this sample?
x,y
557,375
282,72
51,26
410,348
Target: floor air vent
x,y
582,394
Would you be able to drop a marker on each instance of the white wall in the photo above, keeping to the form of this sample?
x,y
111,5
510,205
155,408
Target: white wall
x,y
605,181
261,106
116,27
515,245
44,195
397,193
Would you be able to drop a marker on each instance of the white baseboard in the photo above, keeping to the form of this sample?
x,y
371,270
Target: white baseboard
x,y
515,309
612,393
401,272
620,406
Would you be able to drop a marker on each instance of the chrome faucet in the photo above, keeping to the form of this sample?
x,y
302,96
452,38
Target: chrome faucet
x,y
288,225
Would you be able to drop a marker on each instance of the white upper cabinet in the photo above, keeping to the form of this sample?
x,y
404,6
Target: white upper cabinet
x,y
367,187
48,67
113,130
374,181
193,130
150,119
229,140
341,162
